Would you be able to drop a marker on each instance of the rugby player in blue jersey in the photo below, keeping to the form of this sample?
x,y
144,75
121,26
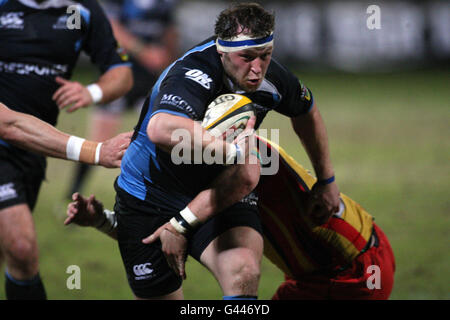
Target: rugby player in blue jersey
x,y
157,196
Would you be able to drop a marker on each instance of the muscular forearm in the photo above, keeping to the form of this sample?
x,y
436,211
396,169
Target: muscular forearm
x,y
324,200
30,133
228,188
179,134
312,132
231,186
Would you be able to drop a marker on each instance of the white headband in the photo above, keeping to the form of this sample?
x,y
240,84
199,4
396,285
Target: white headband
x,y
242,41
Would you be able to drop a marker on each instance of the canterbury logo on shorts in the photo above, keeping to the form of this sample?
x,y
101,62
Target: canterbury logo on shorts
x,y
7,192
142,271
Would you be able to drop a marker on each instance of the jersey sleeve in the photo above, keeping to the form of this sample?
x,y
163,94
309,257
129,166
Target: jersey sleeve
x,y
296,99
185,92
100,43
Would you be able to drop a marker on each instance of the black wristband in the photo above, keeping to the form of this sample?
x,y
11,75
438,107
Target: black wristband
x,y
182,222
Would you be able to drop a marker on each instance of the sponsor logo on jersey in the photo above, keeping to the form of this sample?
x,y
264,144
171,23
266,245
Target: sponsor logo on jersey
x,y
200,77
7,192
11,20
27,68
142,271
179,103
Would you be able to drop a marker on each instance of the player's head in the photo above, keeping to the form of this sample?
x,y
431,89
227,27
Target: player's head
x,y
245,43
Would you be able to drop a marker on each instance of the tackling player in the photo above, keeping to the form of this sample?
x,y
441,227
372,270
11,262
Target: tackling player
x,y
152,191
334,260
40,42
348,257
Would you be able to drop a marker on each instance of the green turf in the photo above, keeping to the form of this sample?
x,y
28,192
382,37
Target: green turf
x,y
389,138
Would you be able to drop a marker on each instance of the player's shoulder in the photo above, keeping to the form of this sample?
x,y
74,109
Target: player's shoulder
x,y
280,74
200,62
203,55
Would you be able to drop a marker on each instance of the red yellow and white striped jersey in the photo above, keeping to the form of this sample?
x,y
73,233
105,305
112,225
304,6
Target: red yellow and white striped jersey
x,y
291,240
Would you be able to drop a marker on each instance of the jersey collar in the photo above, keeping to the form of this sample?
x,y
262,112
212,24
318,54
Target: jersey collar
x,y
231,85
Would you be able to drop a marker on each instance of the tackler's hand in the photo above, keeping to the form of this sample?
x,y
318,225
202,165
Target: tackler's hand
x,y
112,150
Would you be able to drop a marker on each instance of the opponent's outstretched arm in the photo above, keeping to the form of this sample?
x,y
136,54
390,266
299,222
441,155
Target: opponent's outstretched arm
x,y
30,133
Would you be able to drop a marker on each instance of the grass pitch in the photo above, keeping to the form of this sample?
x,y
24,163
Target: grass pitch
x,y
389,139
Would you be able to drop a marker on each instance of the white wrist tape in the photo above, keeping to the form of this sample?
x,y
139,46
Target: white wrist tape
x,y
97,153
79,149
110,222
73,148
190,217
96,92
178,227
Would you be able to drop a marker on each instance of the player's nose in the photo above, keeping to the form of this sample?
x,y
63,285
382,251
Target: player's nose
x,y
256,66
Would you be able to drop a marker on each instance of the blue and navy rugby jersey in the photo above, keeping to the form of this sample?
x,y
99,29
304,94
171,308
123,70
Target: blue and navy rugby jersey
x,y
185,89
39,41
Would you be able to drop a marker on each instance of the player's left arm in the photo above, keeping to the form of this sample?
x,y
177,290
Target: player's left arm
x,y
110,86
311,130
99,43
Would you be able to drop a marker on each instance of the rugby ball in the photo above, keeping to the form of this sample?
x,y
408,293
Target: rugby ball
x,y
228,115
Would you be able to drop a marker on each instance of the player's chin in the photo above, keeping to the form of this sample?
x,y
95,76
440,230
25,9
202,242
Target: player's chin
x,y
251,86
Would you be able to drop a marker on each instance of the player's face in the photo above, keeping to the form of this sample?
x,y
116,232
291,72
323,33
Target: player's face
x,y
247,68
